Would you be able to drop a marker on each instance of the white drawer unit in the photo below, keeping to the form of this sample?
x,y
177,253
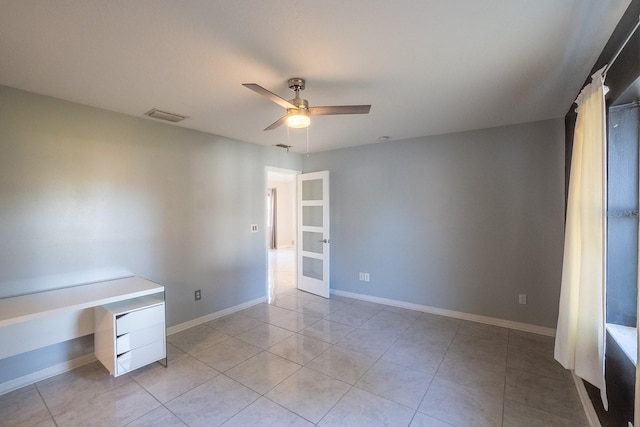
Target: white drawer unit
x,y
130,334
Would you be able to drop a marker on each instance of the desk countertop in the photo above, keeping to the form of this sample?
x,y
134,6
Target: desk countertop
x,y
24,308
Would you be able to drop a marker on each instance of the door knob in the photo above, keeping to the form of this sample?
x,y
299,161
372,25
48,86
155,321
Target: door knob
x,y
324,241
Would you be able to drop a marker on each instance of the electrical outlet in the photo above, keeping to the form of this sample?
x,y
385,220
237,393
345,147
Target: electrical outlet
x,y
361,277
198,295
366,277
254,228
522,299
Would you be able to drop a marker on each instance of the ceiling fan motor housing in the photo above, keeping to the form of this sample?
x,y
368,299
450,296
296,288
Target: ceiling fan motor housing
x,y
296,83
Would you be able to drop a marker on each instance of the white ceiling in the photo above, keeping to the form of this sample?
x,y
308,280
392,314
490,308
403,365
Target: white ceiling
x,y
426,66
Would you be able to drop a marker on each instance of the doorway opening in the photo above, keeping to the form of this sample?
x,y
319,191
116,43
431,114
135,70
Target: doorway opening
x,y
281,231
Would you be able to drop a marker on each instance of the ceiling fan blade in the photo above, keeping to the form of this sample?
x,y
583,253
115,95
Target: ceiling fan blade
x,y
277,123
339,109
272,96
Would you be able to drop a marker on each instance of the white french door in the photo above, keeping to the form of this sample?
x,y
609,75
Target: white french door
x,y
313,233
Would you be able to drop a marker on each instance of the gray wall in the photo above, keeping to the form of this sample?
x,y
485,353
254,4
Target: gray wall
x,y
464,222
88,195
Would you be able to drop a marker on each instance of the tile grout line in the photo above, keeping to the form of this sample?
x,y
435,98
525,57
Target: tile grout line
x,y
157,400
305,366
185,392
290,375
351,386
415,411
246,406
504,387
86,401
550,377
45,405
436,372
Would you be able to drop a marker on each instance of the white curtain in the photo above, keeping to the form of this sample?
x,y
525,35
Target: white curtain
x,y
580,336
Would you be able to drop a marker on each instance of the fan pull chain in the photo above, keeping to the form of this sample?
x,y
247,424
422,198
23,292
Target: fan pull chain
x,y
307,142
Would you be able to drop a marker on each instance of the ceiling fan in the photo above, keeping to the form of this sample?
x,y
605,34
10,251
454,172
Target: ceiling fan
x,y
298,110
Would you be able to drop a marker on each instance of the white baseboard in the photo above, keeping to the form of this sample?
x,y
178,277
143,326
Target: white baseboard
x,y
525,327
43,374
589,410
209,317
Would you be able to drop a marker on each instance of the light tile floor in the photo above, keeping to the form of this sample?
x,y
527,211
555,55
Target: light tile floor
x,y
282,272
304,361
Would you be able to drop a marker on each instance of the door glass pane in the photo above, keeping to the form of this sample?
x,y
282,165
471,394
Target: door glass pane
x,y
312,189
312,267
312,242
312,216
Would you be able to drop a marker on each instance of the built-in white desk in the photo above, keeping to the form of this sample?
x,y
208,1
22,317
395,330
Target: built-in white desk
x,y
32,321
24,308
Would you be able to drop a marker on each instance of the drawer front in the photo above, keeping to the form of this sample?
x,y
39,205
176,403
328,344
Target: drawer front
x,y
139,319
139,357
140,338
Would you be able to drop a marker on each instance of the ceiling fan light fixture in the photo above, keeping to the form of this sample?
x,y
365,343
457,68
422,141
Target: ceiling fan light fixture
x,y
298,120
298,111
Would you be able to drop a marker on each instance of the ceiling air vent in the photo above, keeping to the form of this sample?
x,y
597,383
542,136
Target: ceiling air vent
x,y
163,115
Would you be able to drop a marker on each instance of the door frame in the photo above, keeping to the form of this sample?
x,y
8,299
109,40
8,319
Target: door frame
x,y
283,171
